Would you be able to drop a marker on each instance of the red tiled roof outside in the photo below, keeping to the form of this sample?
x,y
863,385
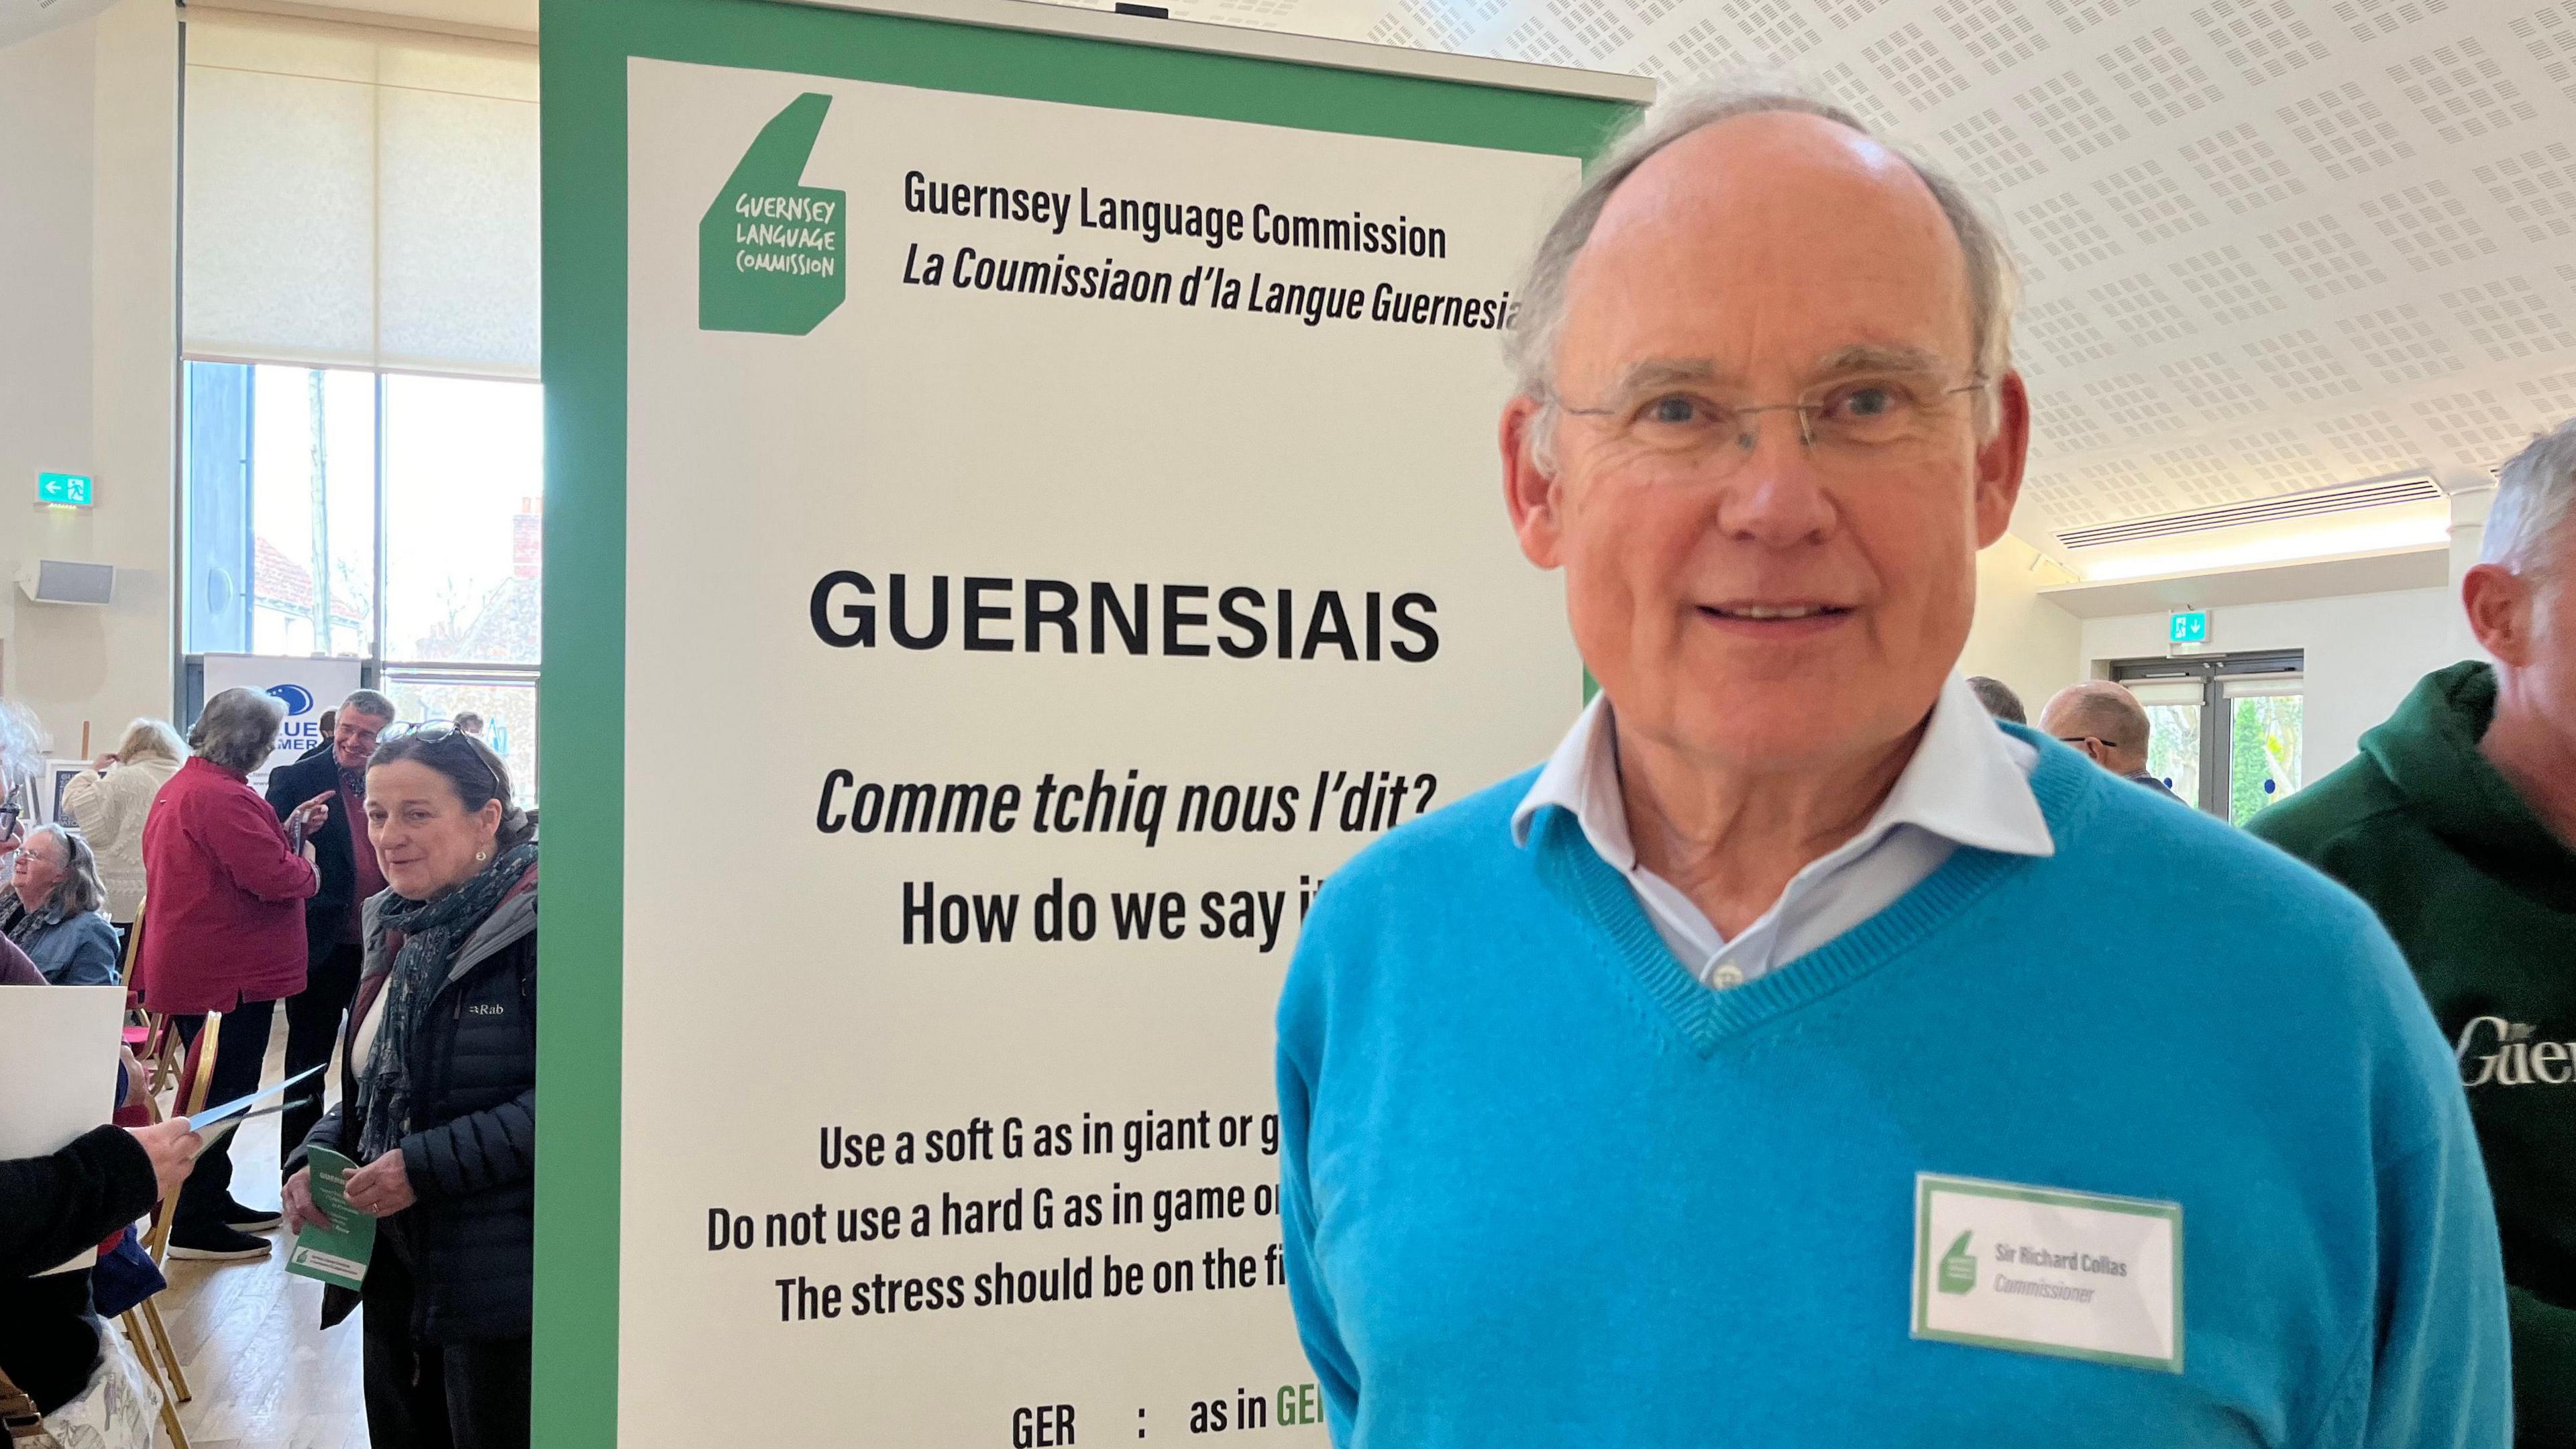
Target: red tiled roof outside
x,y
279,580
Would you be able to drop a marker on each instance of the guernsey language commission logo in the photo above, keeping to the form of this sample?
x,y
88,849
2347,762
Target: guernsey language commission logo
x,y
772,252
1959,1266
2494,1052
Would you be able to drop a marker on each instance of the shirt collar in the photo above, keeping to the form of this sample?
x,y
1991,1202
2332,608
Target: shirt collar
x,y
1582,778
1969,782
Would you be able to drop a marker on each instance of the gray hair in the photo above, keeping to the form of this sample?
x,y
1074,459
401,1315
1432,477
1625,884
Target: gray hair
x,y
79,891
1994,281
371,704
1998,698
238,729
2535,493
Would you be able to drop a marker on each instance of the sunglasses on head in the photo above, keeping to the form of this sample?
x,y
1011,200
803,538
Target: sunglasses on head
x,y
441,731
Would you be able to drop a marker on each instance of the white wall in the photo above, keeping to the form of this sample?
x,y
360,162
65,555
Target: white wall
x,y
2020,638
88,338
2365,651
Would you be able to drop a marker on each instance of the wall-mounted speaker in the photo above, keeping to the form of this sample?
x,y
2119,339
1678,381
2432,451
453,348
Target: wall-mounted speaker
x,y
66,581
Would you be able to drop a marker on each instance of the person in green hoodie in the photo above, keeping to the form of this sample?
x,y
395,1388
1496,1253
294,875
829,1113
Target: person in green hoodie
x,y
2456,822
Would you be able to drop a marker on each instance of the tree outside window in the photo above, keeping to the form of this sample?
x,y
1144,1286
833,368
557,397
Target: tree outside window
x,y
2263,761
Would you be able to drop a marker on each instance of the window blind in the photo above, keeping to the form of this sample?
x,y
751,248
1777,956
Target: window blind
x,y
359,197
2158,691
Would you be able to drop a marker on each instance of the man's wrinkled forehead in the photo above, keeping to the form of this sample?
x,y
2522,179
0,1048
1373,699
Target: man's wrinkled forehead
x,y
1783,222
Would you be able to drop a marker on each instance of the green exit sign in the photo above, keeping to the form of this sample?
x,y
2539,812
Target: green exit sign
x,y
2190,626
72,490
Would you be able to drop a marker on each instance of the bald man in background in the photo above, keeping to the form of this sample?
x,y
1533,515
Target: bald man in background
x,y
2108,724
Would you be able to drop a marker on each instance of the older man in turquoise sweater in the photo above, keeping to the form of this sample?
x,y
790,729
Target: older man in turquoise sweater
x,y
1797,1057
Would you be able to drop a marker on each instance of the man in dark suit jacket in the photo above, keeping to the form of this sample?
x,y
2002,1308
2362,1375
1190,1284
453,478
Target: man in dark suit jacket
x,y
334,944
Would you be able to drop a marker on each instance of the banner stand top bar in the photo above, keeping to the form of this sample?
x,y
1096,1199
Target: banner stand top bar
x,y
1356,55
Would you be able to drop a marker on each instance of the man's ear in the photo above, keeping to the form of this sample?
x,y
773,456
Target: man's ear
x,y
2000,459
1529,490
2498,602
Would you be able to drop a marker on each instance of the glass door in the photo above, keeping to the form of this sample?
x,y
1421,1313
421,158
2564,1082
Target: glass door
x,y
2224,731
2264,718
2173,733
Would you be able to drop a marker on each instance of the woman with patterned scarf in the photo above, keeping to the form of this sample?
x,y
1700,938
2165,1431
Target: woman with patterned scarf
x,y
438,1099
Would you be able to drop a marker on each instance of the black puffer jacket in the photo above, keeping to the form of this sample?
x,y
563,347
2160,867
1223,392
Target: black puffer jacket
x,y
50,1208
473,1164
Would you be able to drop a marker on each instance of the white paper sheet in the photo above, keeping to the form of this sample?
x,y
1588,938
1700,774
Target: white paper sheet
x,y
57,1070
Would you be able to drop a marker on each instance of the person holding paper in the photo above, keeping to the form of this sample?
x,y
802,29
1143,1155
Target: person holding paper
x,y
226,934
53,1207
1799,1056
438,1102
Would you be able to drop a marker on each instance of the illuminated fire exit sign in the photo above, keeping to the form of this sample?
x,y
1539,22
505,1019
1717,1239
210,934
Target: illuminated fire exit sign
x,y
72,490
2189,626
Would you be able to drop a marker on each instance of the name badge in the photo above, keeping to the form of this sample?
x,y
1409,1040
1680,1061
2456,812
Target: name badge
x,y
2041,1270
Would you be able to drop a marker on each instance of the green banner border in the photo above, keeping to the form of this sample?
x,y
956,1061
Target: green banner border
x,y
584,50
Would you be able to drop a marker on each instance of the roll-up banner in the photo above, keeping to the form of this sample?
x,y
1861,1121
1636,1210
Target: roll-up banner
x,y
1022,511
307,686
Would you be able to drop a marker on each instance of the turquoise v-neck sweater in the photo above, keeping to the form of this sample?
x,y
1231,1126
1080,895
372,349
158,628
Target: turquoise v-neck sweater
x,y
1544,1188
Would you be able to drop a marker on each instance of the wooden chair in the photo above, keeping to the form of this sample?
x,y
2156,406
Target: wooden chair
x,y
196,1077
150,1334
196,1072
148,1034
160,1053
133,948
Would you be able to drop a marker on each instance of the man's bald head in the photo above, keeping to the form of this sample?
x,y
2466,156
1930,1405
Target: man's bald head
x,y
2098,710
1992,279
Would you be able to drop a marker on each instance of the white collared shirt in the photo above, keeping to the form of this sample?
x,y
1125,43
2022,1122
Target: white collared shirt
x,y
1968,784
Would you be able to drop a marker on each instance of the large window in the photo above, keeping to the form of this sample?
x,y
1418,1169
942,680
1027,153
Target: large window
x,y
464,470
313,513
384,516
364,454
507,703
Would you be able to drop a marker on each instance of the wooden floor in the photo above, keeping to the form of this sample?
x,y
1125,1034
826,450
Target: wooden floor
x,y
264,1373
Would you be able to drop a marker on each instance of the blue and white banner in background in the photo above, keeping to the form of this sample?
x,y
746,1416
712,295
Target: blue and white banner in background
x,y
306,686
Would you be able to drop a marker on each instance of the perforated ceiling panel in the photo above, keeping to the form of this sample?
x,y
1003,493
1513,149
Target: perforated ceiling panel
x,y
2270,245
